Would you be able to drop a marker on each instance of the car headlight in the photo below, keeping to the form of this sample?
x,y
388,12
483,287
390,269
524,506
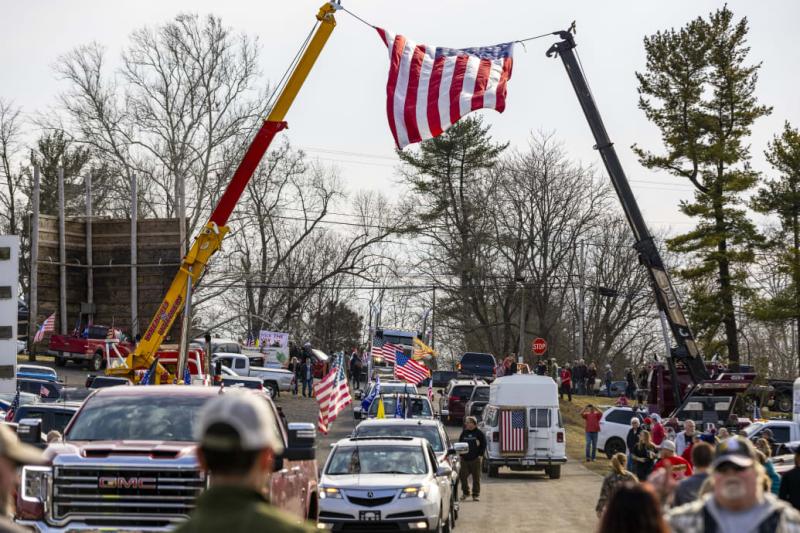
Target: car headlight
x,y
34,483
330,492
412,492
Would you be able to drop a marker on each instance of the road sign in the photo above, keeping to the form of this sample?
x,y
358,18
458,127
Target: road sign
x,y
539,346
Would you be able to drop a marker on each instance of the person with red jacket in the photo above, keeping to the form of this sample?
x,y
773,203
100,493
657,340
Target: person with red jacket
x,y
678,466
591,416
566,383
659,433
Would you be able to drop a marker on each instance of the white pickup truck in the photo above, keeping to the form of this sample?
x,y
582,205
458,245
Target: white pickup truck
x,y
783,431
275,379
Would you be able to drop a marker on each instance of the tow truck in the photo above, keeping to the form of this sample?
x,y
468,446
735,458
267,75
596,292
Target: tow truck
x,y
209,240
684,354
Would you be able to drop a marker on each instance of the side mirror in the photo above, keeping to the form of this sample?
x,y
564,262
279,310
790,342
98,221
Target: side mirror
x,y
444,471
302,444
460,447
29,431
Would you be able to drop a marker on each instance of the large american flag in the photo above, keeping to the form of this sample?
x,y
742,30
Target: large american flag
x,y
49,325
512,431
332,394
385,350
409,370
429,89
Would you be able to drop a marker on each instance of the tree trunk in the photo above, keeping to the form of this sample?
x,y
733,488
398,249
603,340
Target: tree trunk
x,y
726,294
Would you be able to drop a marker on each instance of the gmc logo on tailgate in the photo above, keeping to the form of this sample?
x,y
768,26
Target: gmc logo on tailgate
x,y
126,483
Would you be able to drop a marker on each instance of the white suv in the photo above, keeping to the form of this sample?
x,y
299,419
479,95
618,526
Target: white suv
x,y
393,482
614,428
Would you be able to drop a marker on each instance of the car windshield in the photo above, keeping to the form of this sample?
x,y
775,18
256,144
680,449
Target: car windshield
x,y
429,433
419,407
481,394
377,460
754,427
129,418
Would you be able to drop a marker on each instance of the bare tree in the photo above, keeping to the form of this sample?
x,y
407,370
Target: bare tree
x,y
10,153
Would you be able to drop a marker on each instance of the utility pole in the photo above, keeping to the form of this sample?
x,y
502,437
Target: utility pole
x,y
433,320
134,258
186,324
582,300
62,256
89,262
33,300
521,320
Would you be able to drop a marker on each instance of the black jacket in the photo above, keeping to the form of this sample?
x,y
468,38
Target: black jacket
x,y
633,438
790,487
476,441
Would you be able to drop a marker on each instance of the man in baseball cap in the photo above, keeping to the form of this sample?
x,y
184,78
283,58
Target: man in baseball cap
x,y
739,502
675,464
13,454
238,439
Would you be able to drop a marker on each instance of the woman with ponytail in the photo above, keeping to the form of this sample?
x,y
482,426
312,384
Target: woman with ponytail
x,y
618,476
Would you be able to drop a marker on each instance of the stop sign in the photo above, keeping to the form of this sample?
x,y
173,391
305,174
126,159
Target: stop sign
x,y
539,346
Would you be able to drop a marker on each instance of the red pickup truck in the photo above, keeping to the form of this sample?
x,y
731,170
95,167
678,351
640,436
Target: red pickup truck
x,y
127,463
88,348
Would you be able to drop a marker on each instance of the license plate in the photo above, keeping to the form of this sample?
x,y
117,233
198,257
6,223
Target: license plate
x,y
369,516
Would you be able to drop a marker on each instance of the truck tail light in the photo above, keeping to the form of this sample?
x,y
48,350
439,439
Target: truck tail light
x,y
496,436
560,437
453,399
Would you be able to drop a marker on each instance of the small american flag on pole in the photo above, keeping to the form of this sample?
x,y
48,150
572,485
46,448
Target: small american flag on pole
x,y
409,370
512,431
49,325
429,88
332,394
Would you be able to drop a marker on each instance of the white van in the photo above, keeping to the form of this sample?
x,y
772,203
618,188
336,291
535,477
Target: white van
x,y
523,427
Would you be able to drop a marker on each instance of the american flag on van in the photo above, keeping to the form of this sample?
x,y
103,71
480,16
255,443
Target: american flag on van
x,y
512,431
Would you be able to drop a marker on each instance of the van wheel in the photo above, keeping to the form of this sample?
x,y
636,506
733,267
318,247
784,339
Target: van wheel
x,y
272,388
553,472
96,364
60,361
785,403
494,471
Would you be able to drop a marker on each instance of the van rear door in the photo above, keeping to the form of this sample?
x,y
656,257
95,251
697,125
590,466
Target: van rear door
x,y
540,423
513,432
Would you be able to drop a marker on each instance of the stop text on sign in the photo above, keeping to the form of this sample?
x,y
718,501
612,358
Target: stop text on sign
x,y
539,346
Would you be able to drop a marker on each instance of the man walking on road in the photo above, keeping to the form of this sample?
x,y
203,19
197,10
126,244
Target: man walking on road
x,y
738,503
238,444
471,461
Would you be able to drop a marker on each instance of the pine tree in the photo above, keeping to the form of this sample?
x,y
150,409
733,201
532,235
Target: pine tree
x,y
781,197
700,92
53,151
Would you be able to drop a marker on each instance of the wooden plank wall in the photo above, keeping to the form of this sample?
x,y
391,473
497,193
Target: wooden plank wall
x,y
157,244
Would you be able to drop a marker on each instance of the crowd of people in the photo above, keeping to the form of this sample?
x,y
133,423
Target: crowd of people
x,y
699,482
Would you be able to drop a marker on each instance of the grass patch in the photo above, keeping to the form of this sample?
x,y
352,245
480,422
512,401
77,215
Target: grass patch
x,y
576,440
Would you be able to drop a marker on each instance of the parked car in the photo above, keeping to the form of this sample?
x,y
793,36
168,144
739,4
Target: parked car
x,y
411,405
477,365
453,402
523,427
614,426
99,381
390,482
144,435
228,378
54,416
25,398
36,372
477,402
387,387
433,431
617,389
48,391
440,378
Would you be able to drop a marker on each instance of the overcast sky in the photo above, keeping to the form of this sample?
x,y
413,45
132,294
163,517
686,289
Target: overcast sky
x,y
340,117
